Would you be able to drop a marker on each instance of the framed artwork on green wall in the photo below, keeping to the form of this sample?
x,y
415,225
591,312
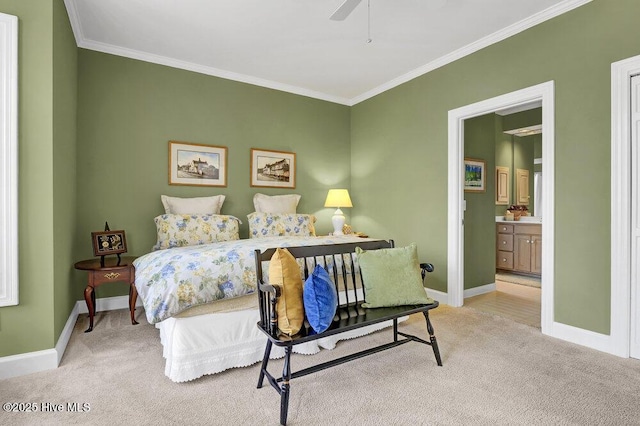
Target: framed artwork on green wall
x,y
196,164
474,175
273,169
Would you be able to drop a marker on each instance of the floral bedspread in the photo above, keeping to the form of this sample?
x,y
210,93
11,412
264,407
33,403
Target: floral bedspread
x,y
172,280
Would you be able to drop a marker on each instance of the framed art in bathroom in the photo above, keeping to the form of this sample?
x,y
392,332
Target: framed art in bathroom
x,y
475,175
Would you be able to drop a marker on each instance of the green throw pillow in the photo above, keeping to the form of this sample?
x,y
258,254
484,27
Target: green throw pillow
x,y
391,277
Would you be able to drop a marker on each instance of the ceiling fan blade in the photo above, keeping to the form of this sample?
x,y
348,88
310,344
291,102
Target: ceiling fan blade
x,y
344,10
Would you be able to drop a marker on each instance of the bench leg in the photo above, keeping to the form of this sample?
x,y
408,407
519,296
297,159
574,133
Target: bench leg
x,y
395,329
265,361
284,390
432,337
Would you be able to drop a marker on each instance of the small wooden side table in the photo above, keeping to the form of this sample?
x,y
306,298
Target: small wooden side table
x,y
112,271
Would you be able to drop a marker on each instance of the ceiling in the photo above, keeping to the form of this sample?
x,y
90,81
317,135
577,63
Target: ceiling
x,y
292,45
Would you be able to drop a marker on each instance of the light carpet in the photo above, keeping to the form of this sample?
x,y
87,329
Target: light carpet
x,y
495,372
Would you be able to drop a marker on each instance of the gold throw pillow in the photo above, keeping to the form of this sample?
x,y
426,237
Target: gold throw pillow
x,y
284,272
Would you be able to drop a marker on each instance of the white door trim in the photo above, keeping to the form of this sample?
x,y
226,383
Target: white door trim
x,y
8,160
621,73
455,253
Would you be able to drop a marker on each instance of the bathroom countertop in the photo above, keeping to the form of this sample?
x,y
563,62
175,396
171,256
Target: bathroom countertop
x,y
523,219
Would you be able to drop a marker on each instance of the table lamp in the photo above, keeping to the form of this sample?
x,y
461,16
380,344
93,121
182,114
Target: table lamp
x,y
338,198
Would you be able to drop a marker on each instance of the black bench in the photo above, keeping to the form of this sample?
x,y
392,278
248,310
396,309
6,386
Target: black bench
x,y
350,315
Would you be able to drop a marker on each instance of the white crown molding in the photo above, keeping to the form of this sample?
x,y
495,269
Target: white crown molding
x,y
507,32
496,37
74,20
215,72
82,42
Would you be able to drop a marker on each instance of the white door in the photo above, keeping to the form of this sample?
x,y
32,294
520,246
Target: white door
x,y
635,217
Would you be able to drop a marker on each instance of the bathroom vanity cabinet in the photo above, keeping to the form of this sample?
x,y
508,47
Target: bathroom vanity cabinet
x,y
519,247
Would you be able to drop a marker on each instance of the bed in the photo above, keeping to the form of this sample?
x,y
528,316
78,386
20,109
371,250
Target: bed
x,y
200,292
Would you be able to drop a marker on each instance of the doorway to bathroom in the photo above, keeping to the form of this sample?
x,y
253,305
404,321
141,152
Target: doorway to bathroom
x,y
503,231
460,286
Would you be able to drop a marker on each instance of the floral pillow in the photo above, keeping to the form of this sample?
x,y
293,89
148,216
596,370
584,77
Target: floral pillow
x,y
179,230
281,225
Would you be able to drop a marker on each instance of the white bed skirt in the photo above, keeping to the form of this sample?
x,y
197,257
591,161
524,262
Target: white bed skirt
x,y
211,343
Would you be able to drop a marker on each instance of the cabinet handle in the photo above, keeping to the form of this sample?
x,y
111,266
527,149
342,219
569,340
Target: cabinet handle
x,y
504,242
504,259
504,228
528,241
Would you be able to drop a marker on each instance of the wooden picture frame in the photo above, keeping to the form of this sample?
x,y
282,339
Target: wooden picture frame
x,y
475,175
273,169
108,242
197,164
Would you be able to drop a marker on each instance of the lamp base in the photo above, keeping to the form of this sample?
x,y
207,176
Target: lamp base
x,y
338,222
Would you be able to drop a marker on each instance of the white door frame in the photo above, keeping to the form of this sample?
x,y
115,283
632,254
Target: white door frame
x,y
621,73
455,254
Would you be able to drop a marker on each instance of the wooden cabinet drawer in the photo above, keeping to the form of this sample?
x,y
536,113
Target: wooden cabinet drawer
x,y
505,242
528,229
504,229
504,260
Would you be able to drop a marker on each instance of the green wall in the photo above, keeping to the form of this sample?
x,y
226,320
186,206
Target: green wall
x,y
129,110
576,51
44,124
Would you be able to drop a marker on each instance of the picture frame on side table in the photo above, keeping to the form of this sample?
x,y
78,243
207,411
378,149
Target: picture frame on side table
x,y
108,242
475,175
273,169
197,164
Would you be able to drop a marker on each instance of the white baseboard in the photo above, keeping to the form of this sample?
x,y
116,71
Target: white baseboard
x,y
107,304
580,336
49,359
443,297
63,340
31,362
440,296
475,291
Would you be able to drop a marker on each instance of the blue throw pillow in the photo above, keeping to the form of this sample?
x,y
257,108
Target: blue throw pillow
x,y
320,299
